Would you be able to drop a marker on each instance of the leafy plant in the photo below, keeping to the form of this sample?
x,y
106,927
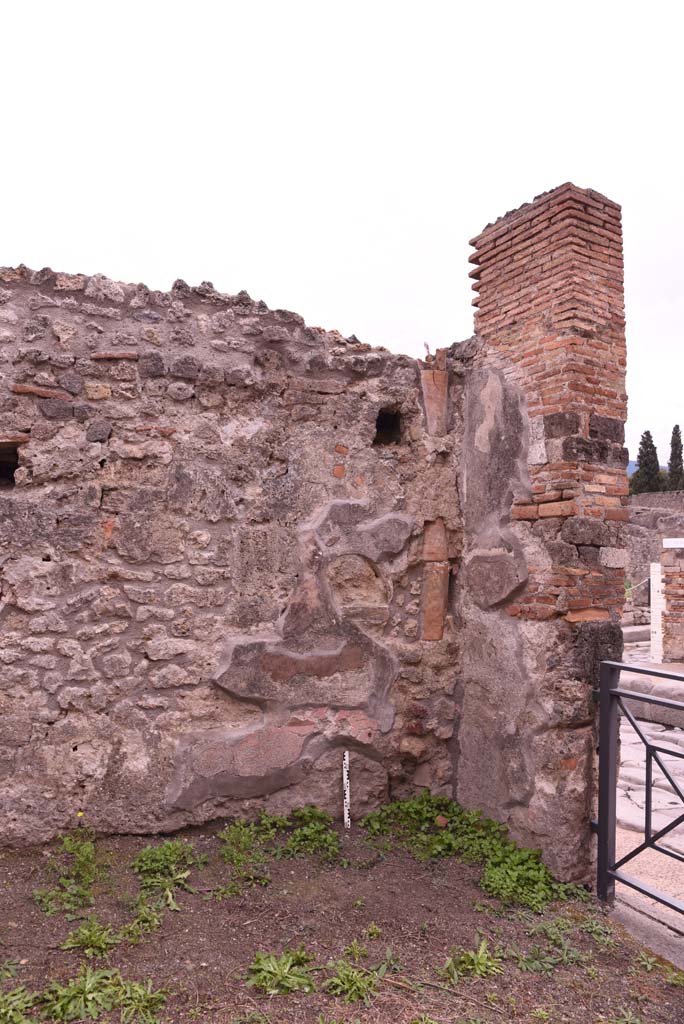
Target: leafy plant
x,y
567,956
312,835
536,960
138,1001
423,1019
164,869
627,1017
14,1004
553,931
146,920
242,849
351,983
373,931
540,1014
279,975
93,938
434,826
599,932
90,994
94,992
389,964
647,963
674,977
474,963
8,969
355,951
79,870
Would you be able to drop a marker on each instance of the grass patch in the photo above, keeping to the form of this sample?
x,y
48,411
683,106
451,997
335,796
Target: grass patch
x,y
435,826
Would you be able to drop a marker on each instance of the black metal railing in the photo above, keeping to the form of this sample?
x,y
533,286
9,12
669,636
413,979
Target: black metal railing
x,y
611,702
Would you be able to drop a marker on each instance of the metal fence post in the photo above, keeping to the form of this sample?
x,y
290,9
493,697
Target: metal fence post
x,y
608,765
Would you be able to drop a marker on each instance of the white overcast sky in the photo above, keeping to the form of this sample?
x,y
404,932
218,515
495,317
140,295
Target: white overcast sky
x,y
335,158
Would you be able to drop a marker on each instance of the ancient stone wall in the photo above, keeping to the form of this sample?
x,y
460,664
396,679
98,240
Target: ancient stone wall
x,y
653,516
232,546
225,555
544,496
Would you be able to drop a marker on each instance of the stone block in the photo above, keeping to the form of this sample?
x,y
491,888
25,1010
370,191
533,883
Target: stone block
x,y
614,558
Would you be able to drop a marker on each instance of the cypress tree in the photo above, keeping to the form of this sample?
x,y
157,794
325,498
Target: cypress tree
x,y
675,467
647,474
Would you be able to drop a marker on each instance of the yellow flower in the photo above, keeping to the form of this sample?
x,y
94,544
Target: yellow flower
x,y
79,814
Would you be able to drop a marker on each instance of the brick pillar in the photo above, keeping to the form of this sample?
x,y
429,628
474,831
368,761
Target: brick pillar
x,y
544,493
550,310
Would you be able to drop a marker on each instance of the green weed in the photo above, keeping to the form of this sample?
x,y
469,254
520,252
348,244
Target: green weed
x,y
553,931
138,1001
14,1004
434,826
626,1017
647,963
8,969
674,977
472,963
353,984
78,871
94,992
599,932
146,920
355,951
312,835
373,931
164,869
279,975
93,938
536,960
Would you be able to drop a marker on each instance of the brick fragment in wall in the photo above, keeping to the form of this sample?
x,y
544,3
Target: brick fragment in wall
x,y
434,598
435,385
435,541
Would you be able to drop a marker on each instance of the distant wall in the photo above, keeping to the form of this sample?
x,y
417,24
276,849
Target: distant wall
x,y
653,516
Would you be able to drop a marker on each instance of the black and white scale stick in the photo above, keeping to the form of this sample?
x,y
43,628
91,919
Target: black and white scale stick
x,y
346,790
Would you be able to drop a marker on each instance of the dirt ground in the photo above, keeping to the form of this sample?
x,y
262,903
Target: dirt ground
x,y
419,910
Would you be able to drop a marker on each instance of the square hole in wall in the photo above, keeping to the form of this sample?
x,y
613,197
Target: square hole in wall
x,y
9,461
388,427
